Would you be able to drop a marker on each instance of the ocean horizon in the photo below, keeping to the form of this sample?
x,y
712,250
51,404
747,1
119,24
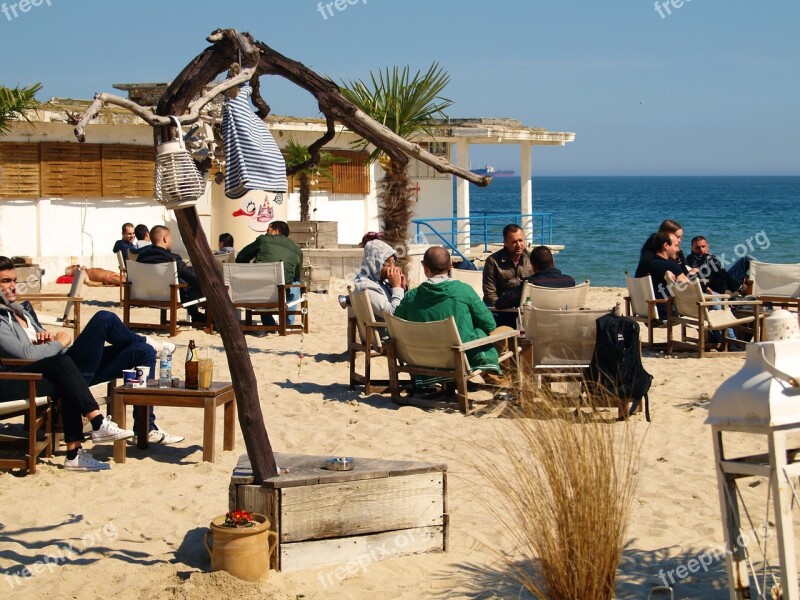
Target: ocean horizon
x,y
603,220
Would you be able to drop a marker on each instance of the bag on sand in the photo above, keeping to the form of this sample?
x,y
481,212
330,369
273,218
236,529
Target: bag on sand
x,y
616,368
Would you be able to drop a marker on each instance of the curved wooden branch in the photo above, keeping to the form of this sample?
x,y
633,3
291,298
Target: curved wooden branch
x,y
262,108
315,148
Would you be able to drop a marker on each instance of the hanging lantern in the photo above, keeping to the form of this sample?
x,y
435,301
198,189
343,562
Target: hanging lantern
x,y
178,183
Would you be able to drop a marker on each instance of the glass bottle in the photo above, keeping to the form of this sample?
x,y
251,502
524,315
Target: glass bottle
x,y
192,367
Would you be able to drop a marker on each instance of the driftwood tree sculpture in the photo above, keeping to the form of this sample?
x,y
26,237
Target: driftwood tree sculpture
x,y
229,47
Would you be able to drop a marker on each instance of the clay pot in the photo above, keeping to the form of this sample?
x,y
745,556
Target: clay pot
x,y
242,551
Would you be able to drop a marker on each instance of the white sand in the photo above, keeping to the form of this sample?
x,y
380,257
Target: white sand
x,y
137,531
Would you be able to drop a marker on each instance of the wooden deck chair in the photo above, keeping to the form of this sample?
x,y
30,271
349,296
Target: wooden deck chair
x,y
569,298
641,305
434,349
693,310
259,288
364,337
776,284
37,438
71,317
123,276
154,286
474,279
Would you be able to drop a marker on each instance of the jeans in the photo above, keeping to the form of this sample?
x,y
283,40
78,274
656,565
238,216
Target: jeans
x,y
740,268
292,294
99,362
64,380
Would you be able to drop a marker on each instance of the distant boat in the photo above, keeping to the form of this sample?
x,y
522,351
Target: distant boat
x,y
492,172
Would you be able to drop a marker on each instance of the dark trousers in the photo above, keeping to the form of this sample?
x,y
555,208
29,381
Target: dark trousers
x,y
62,379
99,362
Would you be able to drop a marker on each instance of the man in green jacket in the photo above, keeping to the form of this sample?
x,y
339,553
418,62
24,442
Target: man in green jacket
x,y
441,297
276,246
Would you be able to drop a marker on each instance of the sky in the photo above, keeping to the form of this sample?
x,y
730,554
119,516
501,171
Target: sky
x,y
676,87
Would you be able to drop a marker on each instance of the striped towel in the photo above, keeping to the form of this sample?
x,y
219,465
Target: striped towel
x,y
252,158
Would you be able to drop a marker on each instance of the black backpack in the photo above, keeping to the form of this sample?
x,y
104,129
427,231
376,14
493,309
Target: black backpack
x,y
616,367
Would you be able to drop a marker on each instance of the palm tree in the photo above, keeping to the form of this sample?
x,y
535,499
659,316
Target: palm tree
x,y
297,154
14,102
408,105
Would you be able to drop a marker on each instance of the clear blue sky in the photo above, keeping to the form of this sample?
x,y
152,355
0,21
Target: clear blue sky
x,y
712,88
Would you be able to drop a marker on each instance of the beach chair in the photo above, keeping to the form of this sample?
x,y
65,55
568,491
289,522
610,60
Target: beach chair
x,y
154,286
364,337
776,284
35,437
641,305
259,289
71,317
695,311
434,349
474,279
547,298
221,259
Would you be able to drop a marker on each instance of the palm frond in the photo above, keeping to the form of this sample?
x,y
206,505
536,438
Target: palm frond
x,y
15,102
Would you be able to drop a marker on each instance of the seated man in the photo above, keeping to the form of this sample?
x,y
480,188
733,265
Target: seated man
x,y
709,267
508,267
160,251
545,274
127,243
225,244
275,246
381,277
63,380
22,336
441,297
142,234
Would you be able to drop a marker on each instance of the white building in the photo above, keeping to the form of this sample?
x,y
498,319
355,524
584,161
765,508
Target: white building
x,y
63,203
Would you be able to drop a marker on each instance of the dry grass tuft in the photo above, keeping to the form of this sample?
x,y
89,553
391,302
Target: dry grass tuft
x,y
566,486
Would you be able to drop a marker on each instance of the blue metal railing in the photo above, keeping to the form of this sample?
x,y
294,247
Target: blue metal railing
x,y
460,232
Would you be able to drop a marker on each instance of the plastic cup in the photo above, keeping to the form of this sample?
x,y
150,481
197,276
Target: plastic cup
x,y
129,377
142,374
205,368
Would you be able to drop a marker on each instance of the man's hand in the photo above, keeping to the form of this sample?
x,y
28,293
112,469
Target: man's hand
x,y
395,277
63,338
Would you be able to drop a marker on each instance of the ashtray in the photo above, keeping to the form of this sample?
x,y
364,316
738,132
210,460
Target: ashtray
x,y
339,464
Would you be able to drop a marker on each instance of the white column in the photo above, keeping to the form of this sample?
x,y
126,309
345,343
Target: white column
x,y
462,195
526,187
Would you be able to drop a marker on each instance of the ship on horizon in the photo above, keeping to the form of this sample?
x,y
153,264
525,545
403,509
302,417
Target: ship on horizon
x,y
492,172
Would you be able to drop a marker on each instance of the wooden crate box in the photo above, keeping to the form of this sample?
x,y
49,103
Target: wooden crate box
x,y
379,509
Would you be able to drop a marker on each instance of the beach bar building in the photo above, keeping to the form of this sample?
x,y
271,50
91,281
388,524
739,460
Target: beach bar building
x,y
63,202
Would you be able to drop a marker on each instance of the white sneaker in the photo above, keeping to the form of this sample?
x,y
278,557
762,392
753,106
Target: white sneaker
x,y
158,345
159,436
85,462
110,432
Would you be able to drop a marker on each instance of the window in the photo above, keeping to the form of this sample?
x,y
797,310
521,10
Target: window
x,y
19,170
419,170
351,177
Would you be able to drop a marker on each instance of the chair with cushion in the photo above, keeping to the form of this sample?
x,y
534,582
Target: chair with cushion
x,y
259,289
569,298
695,311
36,436
71,317
776,284
641,305
155,286
364,337
434,349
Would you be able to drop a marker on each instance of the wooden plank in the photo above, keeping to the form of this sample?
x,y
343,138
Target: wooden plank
x,y
19,170
358,551
357,507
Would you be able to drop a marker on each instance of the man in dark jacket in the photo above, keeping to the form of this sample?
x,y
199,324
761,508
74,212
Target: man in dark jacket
x,y
508,267
545,274
160,251
275,246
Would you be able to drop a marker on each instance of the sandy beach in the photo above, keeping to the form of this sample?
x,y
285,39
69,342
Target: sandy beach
x,y
137,531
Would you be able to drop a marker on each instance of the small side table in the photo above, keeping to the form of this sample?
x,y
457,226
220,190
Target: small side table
x,y
221,393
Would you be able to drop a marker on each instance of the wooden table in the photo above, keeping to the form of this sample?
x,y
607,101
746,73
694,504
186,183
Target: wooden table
x,y
152,395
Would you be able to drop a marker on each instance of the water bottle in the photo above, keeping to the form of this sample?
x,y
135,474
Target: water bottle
x,y
165,369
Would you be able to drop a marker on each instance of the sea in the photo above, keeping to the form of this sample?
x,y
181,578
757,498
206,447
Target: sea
x,y
603,221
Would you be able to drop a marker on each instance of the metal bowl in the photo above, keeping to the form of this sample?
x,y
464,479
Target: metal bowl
x,y
340,464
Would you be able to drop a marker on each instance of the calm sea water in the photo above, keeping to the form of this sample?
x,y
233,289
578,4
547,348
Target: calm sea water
x,y
603,221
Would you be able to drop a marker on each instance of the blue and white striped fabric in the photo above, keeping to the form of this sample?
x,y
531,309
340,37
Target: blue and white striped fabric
x,y
252,158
